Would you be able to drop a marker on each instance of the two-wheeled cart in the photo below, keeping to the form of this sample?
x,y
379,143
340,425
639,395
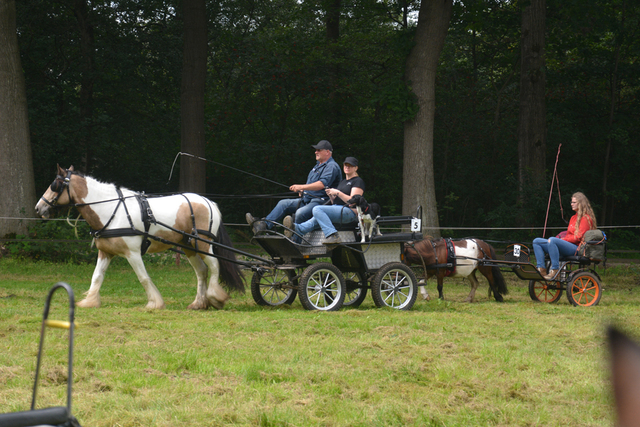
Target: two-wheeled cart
x,y
577,276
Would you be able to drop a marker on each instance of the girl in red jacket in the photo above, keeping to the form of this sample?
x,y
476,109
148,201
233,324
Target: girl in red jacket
x,y
566,244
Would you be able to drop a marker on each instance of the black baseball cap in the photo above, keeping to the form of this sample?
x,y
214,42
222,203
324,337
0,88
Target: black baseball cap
x,y
351,160
323,145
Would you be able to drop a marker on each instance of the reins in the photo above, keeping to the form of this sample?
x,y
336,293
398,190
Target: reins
x,y
60,184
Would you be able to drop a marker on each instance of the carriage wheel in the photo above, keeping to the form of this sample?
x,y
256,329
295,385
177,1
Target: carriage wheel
x,y
322,287
274,287
542,291
356,290
584,290
396,286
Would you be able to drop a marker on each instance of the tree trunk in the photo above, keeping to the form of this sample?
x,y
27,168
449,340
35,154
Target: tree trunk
x,y
332,22
532,126
418,188
18,194
194,72
85,26
613,100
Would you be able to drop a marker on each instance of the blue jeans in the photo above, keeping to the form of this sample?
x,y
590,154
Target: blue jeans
x,y
289,206
555,248
324,217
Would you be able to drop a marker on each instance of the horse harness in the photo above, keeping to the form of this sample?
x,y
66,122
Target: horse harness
x,y
450,264
61,183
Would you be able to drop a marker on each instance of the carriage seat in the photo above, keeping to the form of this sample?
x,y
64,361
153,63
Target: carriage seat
x,y
397,237
582,260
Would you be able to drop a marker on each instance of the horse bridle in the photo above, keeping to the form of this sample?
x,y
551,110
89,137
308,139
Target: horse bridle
x,y
58,186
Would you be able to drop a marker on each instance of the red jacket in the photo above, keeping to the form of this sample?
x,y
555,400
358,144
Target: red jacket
x,y
575,236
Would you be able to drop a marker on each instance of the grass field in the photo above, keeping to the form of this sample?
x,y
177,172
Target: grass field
x,y
444,363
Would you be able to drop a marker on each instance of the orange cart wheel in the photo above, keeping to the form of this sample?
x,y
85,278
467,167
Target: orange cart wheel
x,y
542,291
584,290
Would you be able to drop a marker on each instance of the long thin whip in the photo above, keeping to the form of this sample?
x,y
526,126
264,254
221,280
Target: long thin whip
x,y
555,178
220,164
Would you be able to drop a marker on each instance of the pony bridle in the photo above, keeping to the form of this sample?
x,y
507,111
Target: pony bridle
x,y
58,186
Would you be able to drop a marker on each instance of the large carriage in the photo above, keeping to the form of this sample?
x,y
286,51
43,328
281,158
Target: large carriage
x,y
326,277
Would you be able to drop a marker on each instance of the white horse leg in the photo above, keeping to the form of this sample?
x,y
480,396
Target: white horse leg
x,y
422,284
474,286
200,268
154,299
216,294
92,296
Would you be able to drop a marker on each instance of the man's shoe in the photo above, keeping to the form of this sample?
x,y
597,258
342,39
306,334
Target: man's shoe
x,y
333,239
250,219
289,226
256,224
542,271
552,274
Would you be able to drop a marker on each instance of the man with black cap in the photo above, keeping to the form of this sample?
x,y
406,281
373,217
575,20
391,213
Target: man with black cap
x,y
325,174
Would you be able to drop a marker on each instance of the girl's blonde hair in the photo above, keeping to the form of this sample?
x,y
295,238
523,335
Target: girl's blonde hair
x,y
584,208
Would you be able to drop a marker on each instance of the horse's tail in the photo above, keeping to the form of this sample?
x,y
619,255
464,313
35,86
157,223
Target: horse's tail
x,y
229,270
498,278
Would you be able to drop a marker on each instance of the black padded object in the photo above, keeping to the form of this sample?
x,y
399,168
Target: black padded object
x,y
48,416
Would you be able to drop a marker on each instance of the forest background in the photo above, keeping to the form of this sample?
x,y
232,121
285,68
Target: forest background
x,y
103,83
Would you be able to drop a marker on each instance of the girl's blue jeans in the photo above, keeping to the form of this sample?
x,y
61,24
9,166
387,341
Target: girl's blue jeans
x,y
555,248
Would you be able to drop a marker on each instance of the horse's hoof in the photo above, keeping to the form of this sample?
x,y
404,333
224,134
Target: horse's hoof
x,y
426,297
218,305
154,306
85,303
197,306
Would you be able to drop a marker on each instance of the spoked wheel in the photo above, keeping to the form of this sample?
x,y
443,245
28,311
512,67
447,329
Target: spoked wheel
x,y
356,292
274,287
322,287
542,291
584,290
396,286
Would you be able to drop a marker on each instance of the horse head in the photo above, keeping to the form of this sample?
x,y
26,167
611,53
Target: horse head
x,y
58,193
420,252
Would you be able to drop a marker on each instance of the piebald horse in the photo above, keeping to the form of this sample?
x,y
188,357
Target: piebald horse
x,y
128,224
432,255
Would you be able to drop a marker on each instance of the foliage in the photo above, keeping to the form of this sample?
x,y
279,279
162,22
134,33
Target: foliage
x,y
276,84
53,241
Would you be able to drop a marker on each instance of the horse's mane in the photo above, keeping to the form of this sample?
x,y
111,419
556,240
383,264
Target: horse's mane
x,y
108,186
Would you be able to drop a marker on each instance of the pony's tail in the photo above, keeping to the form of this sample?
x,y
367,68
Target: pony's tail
x,y
498,278
229,270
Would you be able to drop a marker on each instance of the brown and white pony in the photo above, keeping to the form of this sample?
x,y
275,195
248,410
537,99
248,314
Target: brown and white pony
x,y
128,224
432,256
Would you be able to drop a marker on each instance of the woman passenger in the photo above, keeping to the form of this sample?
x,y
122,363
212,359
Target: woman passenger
x,y
567,245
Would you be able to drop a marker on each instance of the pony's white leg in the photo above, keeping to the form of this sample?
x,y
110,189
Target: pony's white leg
x,y
154,299
216,294
200,268
474,286
92,296
422,284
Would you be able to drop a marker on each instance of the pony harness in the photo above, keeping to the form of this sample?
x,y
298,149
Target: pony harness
x,y
451,257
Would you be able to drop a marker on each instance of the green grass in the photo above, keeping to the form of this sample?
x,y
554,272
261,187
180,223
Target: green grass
x,y
444,363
